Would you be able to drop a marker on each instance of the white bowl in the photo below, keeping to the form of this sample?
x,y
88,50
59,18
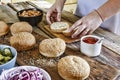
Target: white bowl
x,y
91,49
11,63
46,76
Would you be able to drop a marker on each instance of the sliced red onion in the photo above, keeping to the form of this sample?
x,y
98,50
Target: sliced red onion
x,y
22,74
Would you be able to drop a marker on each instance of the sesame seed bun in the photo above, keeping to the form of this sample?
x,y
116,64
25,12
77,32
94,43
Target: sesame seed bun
x,y
22,41
52,47
73,68
20,27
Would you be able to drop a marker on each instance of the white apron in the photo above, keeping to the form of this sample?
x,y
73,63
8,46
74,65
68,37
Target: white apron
x,y
84,7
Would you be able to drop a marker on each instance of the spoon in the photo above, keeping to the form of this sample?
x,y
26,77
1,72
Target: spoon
x,y
100,40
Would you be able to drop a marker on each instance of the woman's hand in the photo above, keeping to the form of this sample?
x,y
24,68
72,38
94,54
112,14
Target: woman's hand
x,y
54,13
86,25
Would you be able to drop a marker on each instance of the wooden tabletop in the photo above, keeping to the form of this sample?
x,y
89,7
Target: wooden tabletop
x,y
106,66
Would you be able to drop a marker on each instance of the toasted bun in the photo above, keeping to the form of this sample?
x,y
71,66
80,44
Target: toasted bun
x,y
52,47
3,28
73,68
22,41
20,27
59,27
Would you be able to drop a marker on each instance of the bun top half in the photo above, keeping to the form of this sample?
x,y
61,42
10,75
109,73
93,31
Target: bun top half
x,y
20,27
73,68
52,47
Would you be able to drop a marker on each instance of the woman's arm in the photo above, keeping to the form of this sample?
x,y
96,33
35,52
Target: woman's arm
x,y
109,9
89,23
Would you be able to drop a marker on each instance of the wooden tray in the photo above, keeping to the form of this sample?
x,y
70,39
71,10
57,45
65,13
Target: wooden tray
x,y
60,35
99,71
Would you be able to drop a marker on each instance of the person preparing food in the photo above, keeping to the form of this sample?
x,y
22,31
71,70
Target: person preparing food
x,y
104,13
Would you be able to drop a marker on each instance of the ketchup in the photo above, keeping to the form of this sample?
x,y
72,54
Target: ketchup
x,y
90,40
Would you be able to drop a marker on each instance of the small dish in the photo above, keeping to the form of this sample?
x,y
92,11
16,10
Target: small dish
x,y
90,45
11,63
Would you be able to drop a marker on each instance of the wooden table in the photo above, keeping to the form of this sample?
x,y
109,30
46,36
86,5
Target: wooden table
x,y
104,67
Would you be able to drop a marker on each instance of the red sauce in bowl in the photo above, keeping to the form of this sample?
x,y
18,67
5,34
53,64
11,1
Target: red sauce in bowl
x,y
90,40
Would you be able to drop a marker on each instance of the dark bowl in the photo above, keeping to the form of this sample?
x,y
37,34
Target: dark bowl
x,y
32,20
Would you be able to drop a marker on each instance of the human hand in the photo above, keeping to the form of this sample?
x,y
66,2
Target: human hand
x,y
86,25
54,13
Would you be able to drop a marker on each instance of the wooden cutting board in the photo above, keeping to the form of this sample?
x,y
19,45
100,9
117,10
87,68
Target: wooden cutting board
x,y
60,35
46,28
99,71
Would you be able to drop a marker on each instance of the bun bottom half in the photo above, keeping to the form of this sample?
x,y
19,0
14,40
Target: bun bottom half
x,y
51,55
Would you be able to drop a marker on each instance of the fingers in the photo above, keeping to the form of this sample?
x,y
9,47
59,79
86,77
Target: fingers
x,y
53,17
59,16
81,30
90,32
78,31
75,26
85,32
48,17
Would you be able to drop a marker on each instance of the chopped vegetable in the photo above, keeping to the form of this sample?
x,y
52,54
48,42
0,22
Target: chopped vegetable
x,y
7,58
5,55
1,57
7,52
0,51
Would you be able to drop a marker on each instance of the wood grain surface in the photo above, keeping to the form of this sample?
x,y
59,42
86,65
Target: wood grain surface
x,y
60,35
106,66
33,57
